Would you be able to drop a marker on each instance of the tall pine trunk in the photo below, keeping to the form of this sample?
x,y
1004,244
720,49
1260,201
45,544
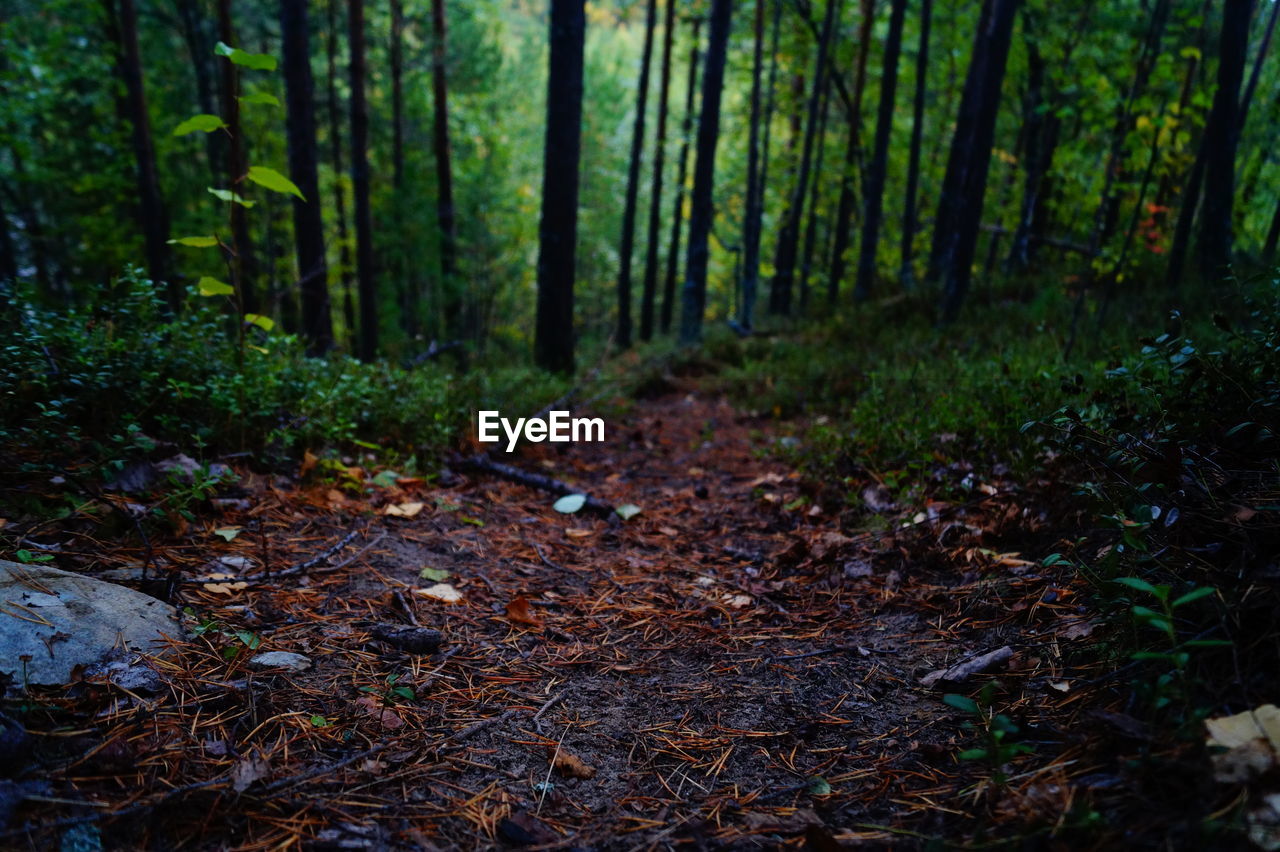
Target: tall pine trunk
x,y
623,335
451,301
909,208
244,261
1221,138
755,181
308,224
701,212
677,216
154,219
873,197
558,228
789,235
365,276
649,293
201,53
852,158
815,201
993,44
339,196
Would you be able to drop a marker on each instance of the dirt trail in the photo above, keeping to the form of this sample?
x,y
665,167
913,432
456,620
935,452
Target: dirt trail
x,y
723,669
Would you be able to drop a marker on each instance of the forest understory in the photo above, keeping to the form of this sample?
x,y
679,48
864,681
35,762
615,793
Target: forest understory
x,y
736,665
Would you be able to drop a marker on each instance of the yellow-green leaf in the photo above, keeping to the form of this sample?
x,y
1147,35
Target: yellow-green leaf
x,y
274,181
256,61
195,242
213,287
259,98
228,195
203,122
264,323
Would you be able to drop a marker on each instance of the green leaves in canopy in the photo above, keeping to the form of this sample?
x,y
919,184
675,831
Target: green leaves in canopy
x,y
256,61
264,323
195,242
274,181
213,287
259,98
204,122
228,195
570,503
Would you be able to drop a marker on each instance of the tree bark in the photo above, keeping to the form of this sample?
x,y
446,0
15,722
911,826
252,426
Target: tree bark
x,y
677,218
339,197
558,229
308,223
243,262
623,334
1247,98
852,157
755,183
1221,138
815,193
873,196
153,217
909,214
201,52
650,290
701,209
446,219
365,275
789,235
992,42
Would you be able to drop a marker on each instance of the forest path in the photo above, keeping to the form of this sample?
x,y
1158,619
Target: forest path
x,y
725,667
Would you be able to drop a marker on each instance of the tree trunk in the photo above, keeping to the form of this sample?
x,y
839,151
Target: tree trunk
x,y
308,224
339,197
992,42
873,196
677,217
1034,119
755,181
811,225
701,210
8,254
154,219
909,215
395,58
445,216
649,294
1273,236
558,229
1247,98
201,52
789,235
623,336
243,262
852,157
1220,139
365,278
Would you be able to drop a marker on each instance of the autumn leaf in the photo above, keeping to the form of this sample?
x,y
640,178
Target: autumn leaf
x,y
571,766
518,612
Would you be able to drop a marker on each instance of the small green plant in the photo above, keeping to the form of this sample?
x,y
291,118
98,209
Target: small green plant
x,y
998,731
26,557
389,693
240,639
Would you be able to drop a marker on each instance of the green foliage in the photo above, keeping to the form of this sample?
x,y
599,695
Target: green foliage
x,y
999,733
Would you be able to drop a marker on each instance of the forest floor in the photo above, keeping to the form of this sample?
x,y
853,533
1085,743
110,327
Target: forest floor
x,y
742,664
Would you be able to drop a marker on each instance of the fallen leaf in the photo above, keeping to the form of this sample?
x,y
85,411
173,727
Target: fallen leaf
x,y
309,462
570,503
669,531
223,588
577,532
627,511
385,715
440,592
737,601
253,768
227,533
403,510
518,611
437,574
1252,741
571,766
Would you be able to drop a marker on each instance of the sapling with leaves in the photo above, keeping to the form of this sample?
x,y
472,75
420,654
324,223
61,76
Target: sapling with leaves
x,y
999,732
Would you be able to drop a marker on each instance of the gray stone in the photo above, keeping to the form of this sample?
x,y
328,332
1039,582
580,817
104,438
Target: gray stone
x,y
60,620
280,660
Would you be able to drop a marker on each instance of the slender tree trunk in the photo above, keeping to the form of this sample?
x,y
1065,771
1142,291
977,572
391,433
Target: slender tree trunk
x,y
339,196
201,52
243,262
755,184
1035,122
1247,98
909,215
993,42
815,200
308,224
873,197
445,215
852,157
623,335
682,171
701,209
1221,138
365,275
649,293
154,219
558,230
789,235
396,61
765,143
